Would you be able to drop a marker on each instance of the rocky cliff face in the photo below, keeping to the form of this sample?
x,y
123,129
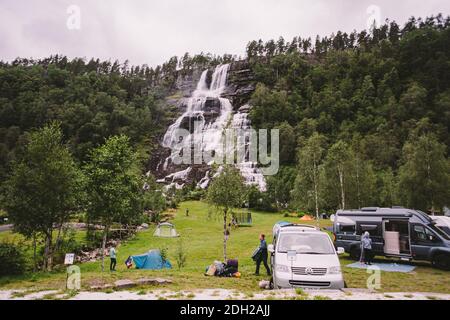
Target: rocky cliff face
x,y
240,86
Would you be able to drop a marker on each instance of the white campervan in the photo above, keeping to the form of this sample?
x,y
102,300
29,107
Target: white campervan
x,y
304,256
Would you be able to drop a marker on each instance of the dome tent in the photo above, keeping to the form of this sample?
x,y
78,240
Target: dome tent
x,y
151,260
165,230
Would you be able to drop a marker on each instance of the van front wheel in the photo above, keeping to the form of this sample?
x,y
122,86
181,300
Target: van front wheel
x,y
442,261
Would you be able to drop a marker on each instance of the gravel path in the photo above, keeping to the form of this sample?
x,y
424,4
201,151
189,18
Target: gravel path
x,y
222,294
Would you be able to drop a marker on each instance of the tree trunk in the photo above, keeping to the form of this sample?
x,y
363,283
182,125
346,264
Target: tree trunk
x,y
105,235
225,235
341,183
58,239
48,254
34,253
358,187
316,197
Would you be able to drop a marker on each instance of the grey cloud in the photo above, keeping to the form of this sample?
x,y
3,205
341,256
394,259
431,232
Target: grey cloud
x,y
150,31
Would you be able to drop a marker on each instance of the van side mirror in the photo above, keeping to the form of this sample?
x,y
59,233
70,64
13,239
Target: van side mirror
x,y
340,250
270,248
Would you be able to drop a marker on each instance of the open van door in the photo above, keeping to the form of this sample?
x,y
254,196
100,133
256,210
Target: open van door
x,y
397,238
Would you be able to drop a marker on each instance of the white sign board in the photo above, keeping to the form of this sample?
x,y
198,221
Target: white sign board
x,y
291,255
69,258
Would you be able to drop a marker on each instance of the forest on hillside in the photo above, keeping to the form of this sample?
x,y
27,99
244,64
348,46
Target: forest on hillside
x,y
364,117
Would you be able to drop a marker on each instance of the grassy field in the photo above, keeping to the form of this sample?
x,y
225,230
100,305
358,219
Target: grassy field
x,y
201,234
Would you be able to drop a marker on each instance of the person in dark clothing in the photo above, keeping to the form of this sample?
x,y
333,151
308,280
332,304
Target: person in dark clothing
x,y
262,257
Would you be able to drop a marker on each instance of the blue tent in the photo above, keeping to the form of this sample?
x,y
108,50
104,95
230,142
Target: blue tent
x,y
151,260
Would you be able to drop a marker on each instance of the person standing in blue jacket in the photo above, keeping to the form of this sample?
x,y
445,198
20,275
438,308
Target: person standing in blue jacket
x,y
262,255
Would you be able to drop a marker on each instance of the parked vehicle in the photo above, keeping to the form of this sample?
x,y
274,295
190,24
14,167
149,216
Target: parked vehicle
x,y
304,256
443,223
395,232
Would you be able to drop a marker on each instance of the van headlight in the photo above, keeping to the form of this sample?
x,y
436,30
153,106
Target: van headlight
x,y
282,268
334,270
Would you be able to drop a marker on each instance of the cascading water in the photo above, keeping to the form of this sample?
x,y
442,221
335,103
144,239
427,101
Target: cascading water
x,y
211,114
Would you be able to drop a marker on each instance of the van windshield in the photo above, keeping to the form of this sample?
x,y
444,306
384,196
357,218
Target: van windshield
x,y
305,243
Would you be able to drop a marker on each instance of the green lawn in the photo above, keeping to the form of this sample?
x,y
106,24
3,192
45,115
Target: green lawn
x,y
202,239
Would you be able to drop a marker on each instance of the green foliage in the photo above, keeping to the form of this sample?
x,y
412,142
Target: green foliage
x,y
308,188
279,186
365,93
180,255
45,188
12,259
164,254
114,185
227,191
424,178
153,200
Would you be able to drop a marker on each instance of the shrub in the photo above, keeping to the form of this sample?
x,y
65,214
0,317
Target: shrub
x,y
180,255
12,259
163,251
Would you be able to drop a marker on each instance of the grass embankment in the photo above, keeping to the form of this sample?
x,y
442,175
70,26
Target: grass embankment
x,y
201,234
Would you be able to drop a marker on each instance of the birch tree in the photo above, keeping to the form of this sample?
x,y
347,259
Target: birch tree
x,y
114,185
424,177
227,191
307,184
44,190
337,170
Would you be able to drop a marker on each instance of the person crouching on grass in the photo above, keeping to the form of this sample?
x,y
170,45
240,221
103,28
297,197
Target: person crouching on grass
x,y
262,255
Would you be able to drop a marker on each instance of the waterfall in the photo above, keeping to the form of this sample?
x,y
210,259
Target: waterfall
x,y
212,113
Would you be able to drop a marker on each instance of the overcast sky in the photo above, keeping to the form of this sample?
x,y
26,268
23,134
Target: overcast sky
x,y
151,31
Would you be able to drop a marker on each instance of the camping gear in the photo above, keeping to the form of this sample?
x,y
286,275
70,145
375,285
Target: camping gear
x,y
233,263
220,269
129,262
211,270
306,218
264,284
151,260
388,267
243,218
166,230
256,254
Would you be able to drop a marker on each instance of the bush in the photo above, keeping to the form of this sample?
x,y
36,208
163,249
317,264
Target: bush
x,y
180,255
12,259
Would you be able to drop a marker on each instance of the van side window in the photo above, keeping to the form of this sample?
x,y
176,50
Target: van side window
x,y
419,233
350,229
423,234
372,227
